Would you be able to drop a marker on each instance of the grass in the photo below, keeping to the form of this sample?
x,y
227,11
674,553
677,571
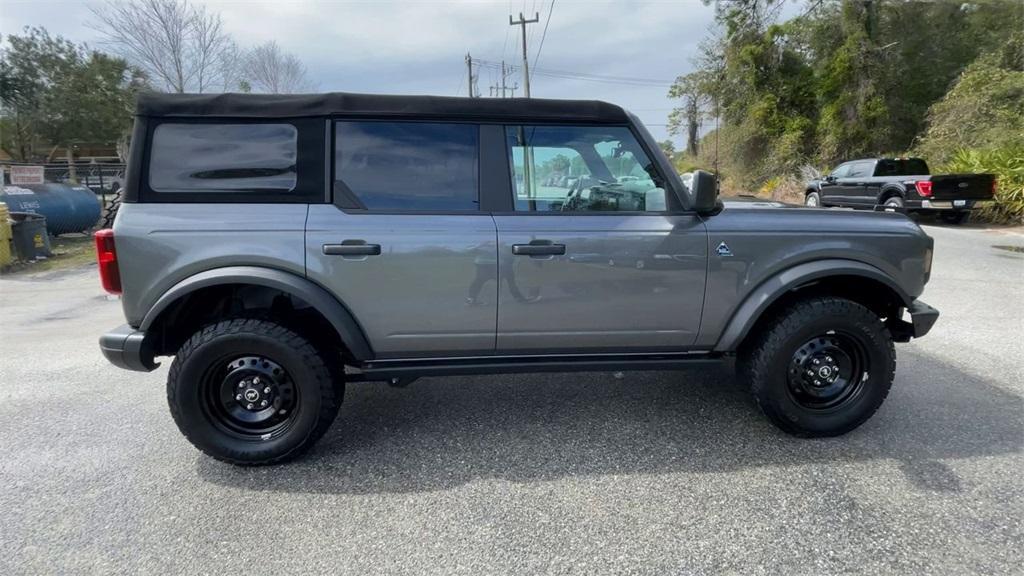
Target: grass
x,y
69,251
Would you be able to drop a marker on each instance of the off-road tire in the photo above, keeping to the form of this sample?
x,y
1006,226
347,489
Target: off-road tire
x,y
813,199
766,361
316,406
110,210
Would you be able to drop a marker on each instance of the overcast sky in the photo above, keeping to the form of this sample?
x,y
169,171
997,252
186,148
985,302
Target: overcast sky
x,y
420,47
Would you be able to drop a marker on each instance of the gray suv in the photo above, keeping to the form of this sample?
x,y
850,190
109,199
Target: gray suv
x,y
280,246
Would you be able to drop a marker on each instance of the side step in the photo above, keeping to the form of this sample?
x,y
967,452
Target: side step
x,y
379,370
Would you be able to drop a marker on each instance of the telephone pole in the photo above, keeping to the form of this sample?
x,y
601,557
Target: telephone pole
x,y
526,63
469,70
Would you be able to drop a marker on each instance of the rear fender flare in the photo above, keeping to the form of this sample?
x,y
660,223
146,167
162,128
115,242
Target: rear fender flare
x,y
761,297
891,190
334,311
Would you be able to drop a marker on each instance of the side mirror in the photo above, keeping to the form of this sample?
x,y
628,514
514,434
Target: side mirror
x,y
704,193
830,178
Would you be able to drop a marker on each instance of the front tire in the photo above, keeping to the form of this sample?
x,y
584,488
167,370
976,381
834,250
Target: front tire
x,y
813,200
821,367
250,392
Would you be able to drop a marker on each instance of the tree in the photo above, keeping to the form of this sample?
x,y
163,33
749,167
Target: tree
x,y
694,92
181,47
983,109
269,69
59,93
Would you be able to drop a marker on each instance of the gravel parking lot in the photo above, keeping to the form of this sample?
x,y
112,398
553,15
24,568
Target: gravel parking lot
x,y
660,472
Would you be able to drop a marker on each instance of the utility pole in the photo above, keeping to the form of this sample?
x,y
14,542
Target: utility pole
x,y
526,62
469,70
503,95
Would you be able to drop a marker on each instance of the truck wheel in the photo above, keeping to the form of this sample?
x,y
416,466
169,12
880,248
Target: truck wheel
x,y
894,202
821,367
813,199
249,391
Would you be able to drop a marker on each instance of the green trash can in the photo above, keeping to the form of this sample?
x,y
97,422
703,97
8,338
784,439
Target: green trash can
x,y
31,240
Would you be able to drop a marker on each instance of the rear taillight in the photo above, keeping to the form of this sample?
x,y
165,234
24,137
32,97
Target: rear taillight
x,y
995,186
924,188
106,256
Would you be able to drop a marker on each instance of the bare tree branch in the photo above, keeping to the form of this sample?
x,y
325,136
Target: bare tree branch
x,y
269,69
181,47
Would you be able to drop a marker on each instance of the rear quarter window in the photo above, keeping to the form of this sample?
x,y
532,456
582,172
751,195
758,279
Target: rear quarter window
x,y
211,158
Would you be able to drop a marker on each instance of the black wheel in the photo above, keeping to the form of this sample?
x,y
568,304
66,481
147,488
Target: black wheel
x,y
250,391
894,202
957,217
813,199
110,210
821,367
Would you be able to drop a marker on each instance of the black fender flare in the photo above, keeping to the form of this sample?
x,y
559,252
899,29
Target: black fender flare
x,y
320,299
767,292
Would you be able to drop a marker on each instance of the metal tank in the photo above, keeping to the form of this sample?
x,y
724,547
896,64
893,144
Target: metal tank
x,y
67,208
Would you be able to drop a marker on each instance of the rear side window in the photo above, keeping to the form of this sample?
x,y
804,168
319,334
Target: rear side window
x,y
408,166
902,167
217,158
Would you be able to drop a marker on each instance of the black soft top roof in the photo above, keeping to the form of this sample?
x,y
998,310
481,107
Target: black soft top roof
x,y
155,104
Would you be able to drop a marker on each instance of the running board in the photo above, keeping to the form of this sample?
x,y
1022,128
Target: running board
x,y
379,370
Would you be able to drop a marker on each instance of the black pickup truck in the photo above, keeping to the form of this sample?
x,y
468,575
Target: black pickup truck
x,y
901,184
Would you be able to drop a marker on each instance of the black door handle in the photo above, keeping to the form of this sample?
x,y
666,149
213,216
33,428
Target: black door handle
x,y
351,248
538,249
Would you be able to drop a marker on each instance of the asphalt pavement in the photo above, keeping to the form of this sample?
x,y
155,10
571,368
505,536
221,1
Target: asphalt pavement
x,y
653,473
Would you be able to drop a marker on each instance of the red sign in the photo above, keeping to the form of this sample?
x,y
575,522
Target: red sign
x,y
21,175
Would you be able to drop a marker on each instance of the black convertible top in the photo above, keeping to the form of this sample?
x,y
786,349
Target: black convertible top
x,y
155,104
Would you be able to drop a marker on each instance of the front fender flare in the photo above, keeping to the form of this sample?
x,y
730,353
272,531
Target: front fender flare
x,y
334,311
761,297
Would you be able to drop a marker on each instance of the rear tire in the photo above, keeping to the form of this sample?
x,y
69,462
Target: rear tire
x,y
821,367
894,202
251,391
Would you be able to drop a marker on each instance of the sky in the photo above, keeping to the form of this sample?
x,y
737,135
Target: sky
x,y
420,47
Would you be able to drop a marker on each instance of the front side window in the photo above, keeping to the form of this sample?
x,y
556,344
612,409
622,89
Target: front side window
x,y
582,169
842,171
416,166
223,158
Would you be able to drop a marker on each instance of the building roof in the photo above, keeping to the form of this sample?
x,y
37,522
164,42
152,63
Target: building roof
x,y
155,104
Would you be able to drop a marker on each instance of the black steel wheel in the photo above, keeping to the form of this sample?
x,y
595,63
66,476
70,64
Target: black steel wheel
x,y
251,397
250,391
827,371
819,367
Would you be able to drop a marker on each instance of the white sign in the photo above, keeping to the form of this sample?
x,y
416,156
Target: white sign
x,y
22,175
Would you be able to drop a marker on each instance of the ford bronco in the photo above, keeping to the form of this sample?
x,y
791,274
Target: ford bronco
x,y
278,247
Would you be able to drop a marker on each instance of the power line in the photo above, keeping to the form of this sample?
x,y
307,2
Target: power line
x,y
570,75
544,35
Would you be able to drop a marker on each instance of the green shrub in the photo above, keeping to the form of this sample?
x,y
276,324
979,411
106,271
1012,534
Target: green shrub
x,y
1008,166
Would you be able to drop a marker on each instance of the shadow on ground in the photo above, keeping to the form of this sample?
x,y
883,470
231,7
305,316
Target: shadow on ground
x,y
441,433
